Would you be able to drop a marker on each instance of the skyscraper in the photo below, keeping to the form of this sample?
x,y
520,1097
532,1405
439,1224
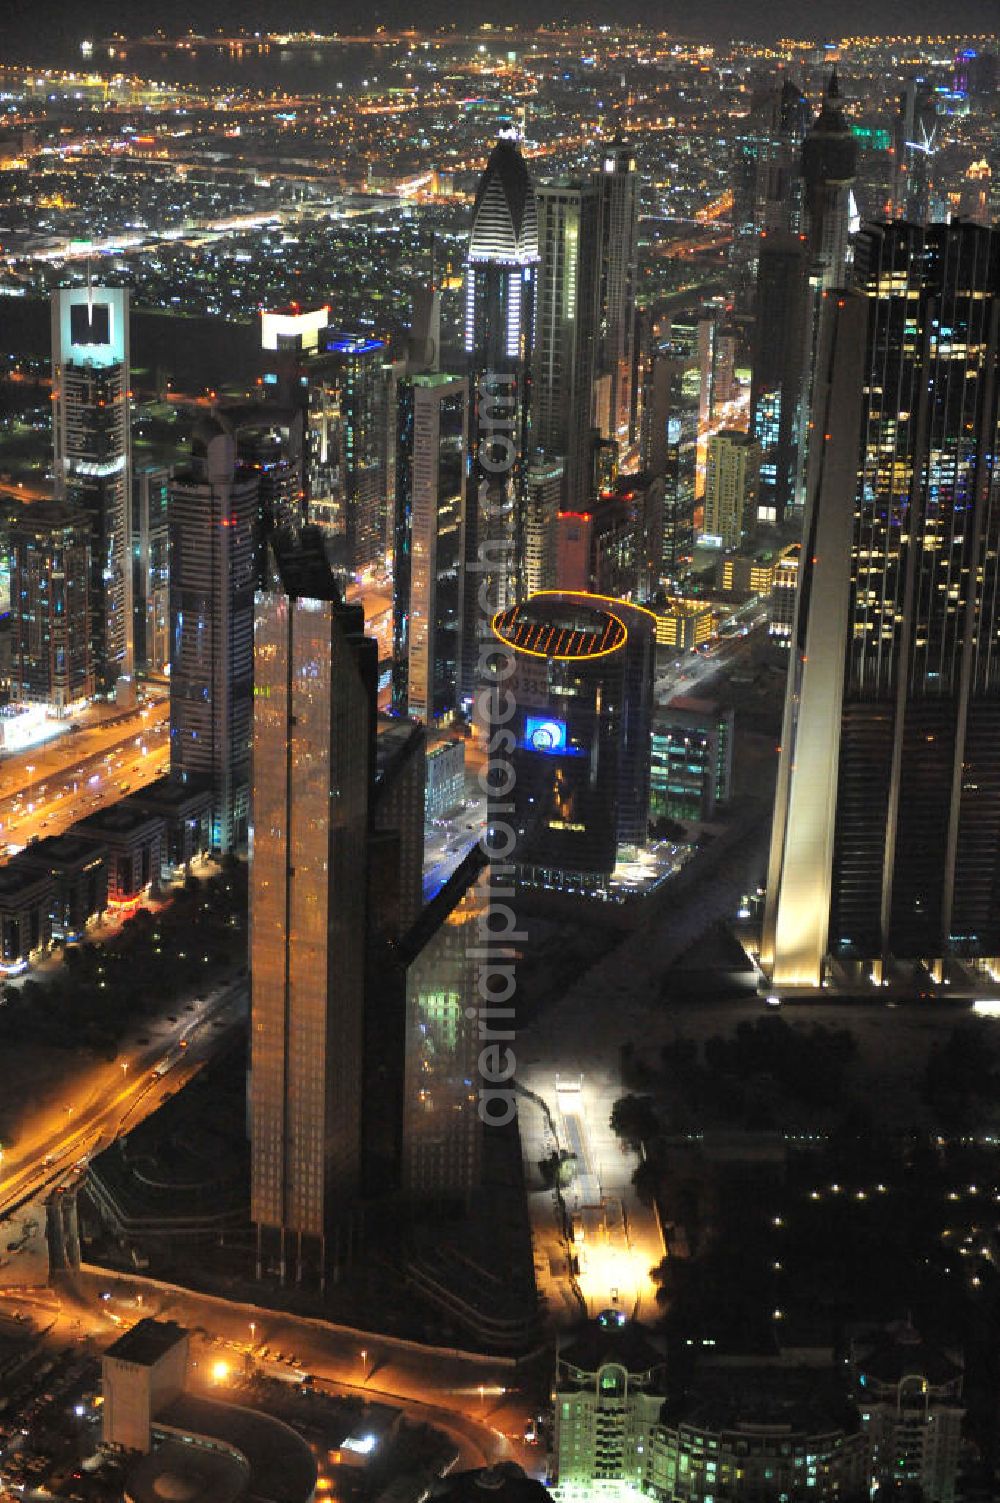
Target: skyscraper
x,y
212,522
915,146
50,606
767,191
91,434
731,477
829,168
778,354
500,274
359,366
431,464
566,327
313,749
151,569
886,838
617,183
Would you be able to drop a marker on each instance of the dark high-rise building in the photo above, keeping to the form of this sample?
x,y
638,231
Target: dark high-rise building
x,y
313,758
337,458
618,186
915,146
767,188
829,167
886,839
581,688
566,328
212,521
359,366
431,465
50,606
151,569
500,275
91,432
668,451
778,354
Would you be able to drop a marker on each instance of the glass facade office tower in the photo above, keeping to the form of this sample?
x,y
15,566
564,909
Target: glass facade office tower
x,y
212,522
432,441
618,187
886,838
442,1129
767,190
313,734
358,365
91,435
50,606
778,355
500,274
566,328
151,569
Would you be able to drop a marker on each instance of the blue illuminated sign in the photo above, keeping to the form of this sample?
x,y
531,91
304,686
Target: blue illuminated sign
x,y
544,735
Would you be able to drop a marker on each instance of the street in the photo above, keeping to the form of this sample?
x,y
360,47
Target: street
x,y
45,790
107,1099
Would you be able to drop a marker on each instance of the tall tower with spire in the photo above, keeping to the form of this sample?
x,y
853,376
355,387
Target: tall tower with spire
x,y
829,168
500,273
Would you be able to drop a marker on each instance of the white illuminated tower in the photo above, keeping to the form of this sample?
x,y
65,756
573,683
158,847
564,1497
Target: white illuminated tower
x,y
885,854
617,183
500,273
92,462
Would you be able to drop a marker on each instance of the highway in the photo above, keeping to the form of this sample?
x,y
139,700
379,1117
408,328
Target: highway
x,y
45,790
477,1401
107,1099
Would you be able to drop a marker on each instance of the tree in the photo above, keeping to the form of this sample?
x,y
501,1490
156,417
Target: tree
x,y
634,1120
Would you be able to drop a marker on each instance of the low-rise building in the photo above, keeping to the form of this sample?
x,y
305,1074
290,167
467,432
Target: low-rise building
x,y
79,872
909,1392
607,1395
759,1429
691,759
133,838
25,916
445,789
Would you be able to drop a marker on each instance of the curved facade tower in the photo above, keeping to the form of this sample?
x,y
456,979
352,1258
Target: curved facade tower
x,y
500,273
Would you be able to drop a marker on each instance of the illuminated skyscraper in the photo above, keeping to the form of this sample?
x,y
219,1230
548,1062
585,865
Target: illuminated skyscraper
x,y
886,839
91,434
566,328
151,569
731,478
500,273
431,464
50,584
617,184
313,750
212,523
337,380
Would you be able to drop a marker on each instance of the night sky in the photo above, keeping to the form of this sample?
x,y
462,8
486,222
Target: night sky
x,y
27,27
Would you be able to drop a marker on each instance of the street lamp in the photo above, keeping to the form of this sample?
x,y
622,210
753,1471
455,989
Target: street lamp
x,y
253,1331
364,1367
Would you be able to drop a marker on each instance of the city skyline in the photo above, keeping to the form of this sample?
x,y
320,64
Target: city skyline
x,y
499,813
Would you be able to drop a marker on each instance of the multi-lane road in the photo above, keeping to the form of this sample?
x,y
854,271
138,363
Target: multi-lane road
x,y
101,1102
45,790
